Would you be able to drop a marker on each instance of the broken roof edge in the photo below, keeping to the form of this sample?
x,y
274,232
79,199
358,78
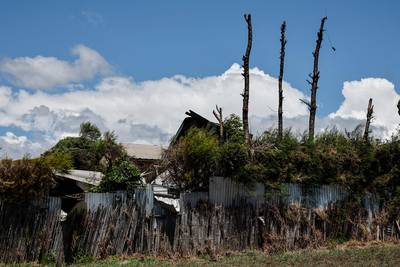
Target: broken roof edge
x,y
192,116
144,151
83,176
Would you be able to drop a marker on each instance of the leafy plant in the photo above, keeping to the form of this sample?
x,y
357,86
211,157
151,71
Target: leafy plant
x,y
91,151
193,159
121,176
25,179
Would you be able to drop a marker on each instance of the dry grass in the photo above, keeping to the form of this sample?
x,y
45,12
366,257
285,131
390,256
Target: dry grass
x,y
351,253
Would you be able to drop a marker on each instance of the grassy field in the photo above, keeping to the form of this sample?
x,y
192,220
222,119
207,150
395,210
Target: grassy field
x,y
350,255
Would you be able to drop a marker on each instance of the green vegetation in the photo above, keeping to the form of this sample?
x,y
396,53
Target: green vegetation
x,y
123,175
94,151
193,159
26,179
91,150
201,154
372,255
333,157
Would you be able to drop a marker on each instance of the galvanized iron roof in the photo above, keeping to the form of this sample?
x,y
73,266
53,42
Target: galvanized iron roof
x,y
142,151
87,177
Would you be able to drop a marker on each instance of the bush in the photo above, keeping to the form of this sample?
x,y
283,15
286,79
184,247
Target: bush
x,y
57,161
25,179
123,175
333,158
193,159
231,159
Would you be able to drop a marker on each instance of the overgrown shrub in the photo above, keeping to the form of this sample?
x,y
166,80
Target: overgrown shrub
x,y
231,159
193,159
27,179
123,175
333,157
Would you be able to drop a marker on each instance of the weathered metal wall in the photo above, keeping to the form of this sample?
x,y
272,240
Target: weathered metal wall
x,y
31,231
192,198
308,195
95,201
226,192
144,198
228,217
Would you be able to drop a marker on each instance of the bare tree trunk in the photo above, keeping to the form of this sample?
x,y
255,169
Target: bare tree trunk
x,y
370,112
220,119
398,107
246,75
282,58
314,82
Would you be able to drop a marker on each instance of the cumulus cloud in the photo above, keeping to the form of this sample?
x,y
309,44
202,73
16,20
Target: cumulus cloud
x,y
385,98
16,146
148,112
49,72
12,139
151,111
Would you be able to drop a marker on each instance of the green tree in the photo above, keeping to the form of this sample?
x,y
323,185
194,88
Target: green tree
x,y
233,128
90,131
89,149
110,149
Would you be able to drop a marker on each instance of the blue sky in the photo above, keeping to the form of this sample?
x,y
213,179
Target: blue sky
x,y
152,40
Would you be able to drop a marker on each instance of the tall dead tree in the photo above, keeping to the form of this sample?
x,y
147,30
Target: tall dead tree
x,y
312,105
246,75
282,59
370,112
220,119
398,107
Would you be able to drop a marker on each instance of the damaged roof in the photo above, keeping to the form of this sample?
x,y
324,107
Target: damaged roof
x,y
142,151
82,176
194,120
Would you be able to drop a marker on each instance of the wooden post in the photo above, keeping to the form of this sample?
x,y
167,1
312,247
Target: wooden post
x,y
370,112
246,75
314,83
282,59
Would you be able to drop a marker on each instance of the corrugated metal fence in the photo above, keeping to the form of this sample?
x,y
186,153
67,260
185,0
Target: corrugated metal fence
x,y
232,217
29,231
224,191
144,198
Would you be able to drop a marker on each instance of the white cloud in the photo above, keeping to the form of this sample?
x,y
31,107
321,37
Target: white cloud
x,y
385,98
163,102
151,111
5,95
12,139
49,72
17,146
